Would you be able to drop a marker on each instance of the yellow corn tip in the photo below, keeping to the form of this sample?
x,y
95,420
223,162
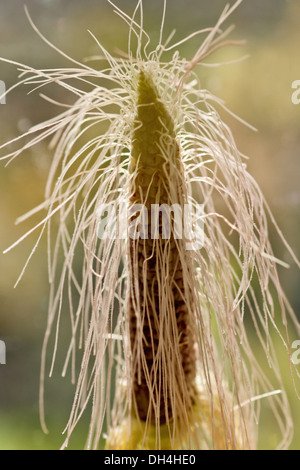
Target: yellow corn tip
x,y
204,431
141,437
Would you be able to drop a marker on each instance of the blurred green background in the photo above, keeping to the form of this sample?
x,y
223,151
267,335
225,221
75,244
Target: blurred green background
x,y
257,89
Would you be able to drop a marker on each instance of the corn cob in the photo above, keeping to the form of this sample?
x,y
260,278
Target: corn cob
x,y
155,166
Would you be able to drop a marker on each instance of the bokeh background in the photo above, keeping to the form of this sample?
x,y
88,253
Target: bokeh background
x,y
258,89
